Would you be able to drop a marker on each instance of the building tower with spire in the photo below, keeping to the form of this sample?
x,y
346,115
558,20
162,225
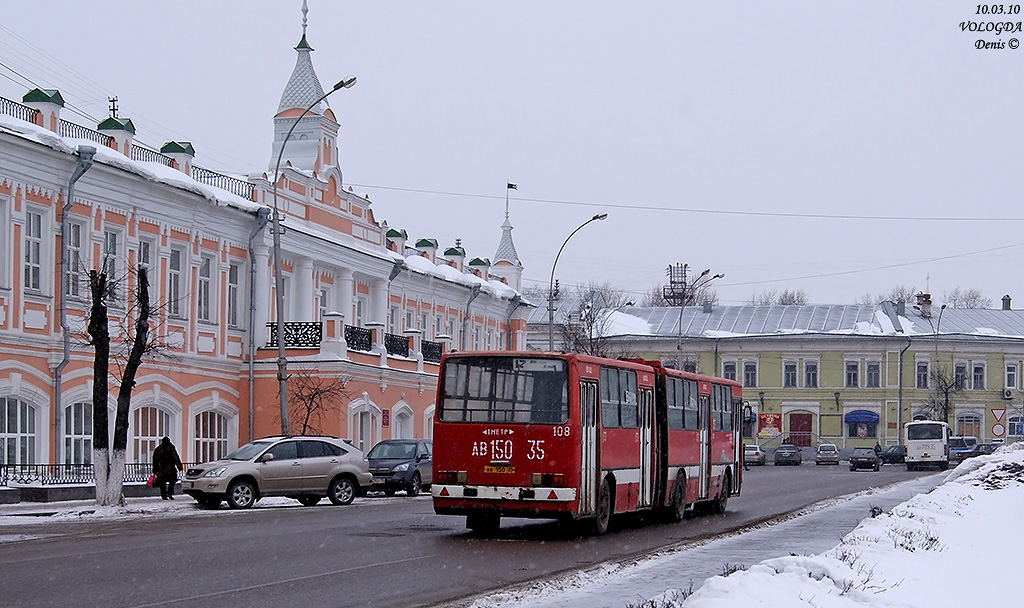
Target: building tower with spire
x,y
507,265
313,144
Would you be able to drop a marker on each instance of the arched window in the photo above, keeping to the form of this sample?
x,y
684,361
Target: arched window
x,y
364,423
1015,426
210,439
78,433
968,424
401,422
148,426
17,432
428,423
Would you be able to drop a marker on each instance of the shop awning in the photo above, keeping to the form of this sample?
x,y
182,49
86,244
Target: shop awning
x,y
861,416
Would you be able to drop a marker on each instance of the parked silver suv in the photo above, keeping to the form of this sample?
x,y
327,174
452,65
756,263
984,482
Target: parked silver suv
x,y
303,468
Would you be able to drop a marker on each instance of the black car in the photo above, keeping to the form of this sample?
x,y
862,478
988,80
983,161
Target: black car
x,y
787,454
401,464
894,454
978,449
864,458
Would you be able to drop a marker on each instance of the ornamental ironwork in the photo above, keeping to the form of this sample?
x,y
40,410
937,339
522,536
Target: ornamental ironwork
x,y
396,345
432,351
359,338
298,334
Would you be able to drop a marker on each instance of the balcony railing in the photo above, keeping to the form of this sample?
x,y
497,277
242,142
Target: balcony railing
x,y
359,338
70,129
17,110
298,334
146,155
396,345
234,185
432,351
67,474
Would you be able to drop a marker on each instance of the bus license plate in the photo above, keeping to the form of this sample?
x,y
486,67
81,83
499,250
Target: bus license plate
x,y
502,468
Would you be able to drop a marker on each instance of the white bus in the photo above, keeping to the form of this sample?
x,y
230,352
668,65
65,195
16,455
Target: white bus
x,y
926,443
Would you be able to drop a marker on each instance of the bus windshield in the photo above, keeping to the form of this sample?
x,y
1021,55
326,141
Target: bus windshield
x,y
916,432
504,390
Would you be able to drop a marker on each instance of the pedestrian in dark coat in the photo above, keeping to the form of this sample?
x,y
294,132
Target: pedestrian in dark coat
x,y
166,465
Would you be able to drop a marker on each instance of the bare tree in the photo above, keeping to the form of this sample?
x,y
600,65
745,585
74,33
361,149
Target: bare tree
x,y
770,297
948,386
792,297
315,401
589,329
655,296
109,460
899,293
966,298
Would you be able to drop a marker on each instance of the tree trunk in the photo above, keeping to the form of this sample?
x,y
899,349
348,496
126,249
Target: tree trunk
x,y
99,335
109,461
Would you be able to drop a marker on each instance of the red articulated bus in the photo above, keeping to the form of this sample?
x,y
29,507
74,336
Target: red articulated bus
x,y
580,438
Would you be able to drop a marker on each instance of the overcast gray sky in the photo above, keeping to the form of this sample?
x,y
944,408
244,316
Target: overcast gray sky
x,y
838,148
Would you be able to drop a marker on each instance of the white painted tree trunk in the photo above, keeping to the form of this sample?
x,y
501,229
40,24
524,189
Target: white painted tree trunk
x,y
109,470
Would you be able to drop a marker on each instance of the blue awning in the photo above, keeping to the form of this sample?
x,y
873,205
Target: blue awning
x,y
861,416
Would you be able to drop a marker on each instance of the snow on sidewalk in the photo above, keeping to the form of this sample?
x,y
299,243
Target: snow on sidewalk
x,y
958,545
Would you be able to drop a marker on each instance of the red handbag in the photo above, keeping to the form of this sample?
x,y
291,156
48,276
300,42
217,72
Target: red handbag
x,y
151,481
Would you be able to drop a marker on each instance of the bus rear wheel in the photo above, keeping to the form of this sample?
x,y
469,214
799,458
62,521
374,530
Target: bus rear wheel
x,y
676,510
719,504
599,525
483,523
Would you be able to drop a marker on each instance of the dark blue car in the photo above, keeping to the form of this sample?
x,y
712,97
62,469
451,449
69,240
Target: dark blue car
x,y
401,464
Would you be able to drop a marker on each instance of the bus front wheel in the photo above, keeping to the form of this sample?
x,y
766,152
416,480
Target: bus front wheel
x,y
677,503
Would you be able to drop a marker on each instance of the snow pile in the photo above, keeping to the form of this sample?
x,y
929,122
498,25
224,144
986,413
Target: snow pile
x,y
950,547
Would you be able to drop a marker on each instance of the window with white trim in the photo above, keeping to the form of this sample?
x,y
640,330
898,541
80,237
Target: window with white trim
x,y
78,433
729,370
749,374
873,378
810,374
968,424
174,265
110,268
1015,425
210,437
33,251
17,432
960,376
979,377
203,288
75,264
789,374
324,302
5,241
852,374
234,276
1011,375
922,375
149,425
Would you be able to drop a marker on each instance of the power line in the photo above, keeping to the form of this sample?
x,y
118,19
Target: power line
x,y
777,214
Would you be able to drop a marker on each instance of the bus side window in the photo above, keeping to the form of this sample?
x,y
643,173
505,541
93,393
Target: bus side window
x,y
609,398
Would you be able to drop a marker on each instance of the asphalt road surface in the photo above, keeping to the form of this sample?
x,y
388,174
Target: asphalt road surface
x,y
379,552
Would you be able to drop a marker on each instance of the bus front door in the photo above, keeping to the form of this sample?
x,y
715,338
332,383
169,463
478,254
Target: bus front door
x,y
587,499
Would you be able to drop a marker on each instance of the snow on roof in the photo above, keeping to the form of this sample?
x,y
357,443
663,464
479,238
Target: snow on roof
x,y
494,288
152,171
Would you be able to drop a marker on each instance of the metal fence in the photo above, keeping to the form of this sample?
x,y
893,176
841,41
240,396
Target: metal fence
x,y
396,345
69,474
298,334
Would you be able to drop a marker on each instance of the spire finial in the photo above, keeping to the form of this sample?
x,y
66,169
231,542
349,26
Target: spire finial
x,y
305,9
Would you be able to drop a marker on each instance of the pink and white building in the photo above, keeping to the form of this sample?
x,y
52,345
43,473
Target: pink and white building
x,y
367,307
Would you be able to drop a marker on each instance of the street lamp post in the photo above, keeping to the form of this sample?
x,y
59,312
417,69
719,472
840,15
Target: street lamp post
x,y
551,282
282,361
689,298
938,324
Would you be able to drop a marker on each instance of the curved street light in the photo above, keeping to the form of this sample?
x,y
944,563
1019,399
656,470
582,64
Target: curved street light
x,y
282,361
690,297
551,282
